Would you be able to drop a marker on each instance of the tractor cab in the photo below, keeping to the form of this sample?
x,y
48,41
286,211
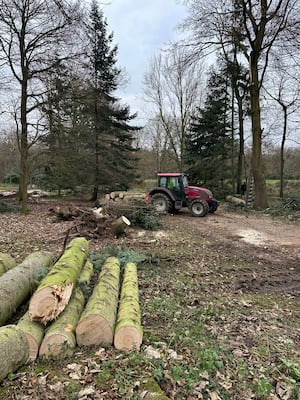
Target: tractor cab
x,y
175,183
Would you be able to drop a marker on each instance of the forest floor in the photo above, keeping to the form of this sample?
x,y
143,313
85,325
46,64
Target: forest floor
x,y
220,300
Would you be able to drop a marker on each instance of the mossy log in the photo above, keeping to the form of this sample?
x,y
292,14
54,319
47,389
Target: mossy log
x,y
17,284
60,336
7,262
128,333
34,332
14,349
86,274
96,324
56,288
150,390
235,200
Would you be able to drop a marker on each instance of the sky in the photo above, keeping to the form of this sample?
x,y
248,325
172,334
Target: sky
x,y
141,28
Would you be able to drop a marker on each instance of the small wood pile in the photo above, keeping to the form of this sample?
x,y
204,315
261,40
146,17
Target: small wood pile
x,y
91,223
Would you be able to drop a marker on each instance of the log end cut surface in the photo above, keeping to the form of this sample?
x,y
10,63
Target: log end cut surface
x,y
94,330
55,345
33,347
46,304
128,338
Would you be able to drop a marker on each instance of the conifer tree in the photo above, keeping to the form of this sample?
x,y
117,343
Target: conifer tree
x,y
209,141
110,137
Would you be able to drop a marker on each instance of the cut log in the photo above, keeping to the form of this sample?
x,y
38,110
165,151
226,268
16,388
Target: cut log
x,y
34,332
119,226
55,289
17,284
96,324
13,349
60,336
86,274
235,200
7,262
150,390
128,333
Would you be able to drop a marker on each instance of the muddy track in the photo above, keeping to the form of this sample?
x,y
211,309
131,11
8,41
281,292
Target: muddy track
x,y
271,248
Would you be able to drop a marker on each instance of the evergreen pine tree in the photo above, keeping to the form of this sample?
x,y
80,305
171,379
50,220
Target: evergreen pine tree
x,y
209,141
110,137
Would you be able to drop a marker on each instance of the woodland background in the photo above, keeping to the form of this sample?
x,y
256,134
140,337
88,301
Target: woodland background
x,y
222,103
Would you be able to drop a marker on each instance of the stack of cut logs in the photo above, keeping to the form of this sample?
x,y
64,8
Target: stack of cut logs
x,y
58,317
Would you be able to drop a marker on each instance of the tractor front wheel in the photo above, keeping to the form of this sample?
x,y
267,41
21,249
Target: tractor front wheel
x,y
161,203
198,208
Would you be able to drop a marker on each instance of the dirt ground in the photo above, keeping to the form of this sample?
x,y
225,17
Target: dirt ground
x,y
253,237
275,243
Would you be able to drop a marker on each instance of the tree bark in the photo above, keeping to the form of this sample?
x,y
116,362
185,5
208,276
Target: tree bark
x,y
18,284
119,226
60,336
7,262
152,391
13,349
55,290
128,332
86,274
260,196
34,332
97,322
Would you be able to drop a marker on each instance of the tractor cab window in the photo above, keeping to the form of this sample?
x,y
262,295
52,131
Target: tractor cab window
x,y
185,180
163,181
173,182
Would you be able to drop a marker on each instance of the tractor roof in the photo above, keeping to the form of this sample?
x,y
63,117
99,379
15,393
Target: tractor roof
x,y
169,174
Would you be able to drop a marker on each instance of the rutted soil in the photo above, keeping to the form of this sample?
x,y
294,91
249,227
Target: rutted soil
x,y
272,245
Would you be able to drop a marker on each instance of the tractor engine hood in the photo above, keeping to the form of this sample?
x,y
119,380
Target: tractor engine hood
x,y
206,194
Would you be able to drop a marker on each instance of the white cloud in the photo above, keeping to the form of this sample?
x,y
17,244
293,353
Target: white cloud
x,y
141,29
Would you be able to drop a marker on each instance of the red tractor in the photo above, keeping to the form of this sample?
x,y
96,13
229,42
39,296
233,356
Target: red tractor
x,y
173,192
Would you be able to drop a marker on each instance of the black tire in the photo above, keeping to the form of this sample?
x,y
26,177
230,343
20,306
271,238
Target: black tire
x,y
198,208
161,202
213,205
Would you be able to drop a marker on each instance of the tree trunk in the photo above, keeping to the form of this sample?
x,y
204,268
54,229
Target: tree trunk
x,y
55,290
60,336
17,284
128,332
260,199
283,139
7,262
23,137
119,226
97,322
86,274
13,349
34,332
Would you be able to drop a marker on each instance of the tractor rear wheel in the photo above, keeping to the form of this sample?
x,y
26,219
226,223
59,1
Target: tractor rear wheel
x,y
198,208
161,202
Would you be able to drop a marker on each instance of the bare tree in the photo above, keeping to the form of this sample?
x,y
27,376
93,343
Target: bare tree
x,y
173,87
256,27
283,88
33,39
